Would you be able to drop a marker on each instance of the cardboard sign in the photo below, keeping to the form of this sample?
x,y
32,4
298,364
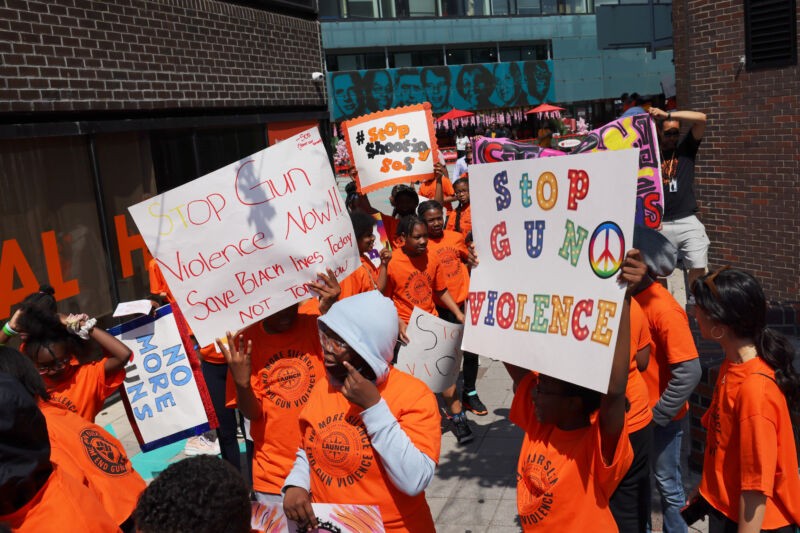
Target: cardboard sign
x,y
393,146
551,236
340,518
240,243
433,352
163,389
489,150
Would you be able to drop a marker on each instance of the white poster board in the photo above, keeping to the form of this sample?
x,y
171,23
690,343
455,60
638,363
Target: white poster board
x,y
160,389
239,244
433,353
392,146
342,518
551,234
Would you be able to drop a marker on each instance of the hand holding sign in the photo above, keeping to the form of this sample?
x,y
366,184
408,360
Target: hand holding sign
x,y
633,270
297,507
327,288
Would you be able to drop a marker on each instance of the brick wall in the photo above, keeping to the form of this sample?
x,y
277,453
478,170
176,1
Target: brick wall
x,y
82,55
749,164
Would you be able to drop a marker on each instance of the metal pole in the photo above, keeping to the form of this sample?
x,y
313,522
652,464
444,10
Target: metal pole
x,y
652,28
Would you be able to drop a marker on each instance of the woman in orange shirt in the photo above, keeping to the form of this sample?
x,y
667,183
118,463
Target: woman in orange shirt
x,y
366,277
750,475
460,220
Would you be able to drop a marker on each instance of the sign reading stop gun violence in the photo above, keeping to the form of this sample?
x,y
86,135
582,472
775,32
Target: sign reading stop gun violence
x,y
551,234
239,244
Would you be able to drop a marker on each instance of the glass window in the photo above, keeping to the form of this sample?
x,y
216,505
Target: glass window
x,y
373,61
50,226
400,59
476,7
173,158
421,8
329,9
362,9
484,55
332,62
569,7
531,7
510,53
549,7
502,7
416,58
453,8
221,146
458,56
536,52
349,61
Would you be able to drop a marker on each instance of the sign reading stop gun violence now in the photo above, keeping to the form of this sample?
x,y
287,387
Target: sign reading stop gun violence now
x,y
551,234
239,244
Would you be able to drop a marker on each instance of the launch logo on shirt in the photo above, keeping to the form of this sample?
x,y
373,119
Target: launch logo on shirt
x,y
451,264
535,488
104,454
418,287
339,450
66,402
287,379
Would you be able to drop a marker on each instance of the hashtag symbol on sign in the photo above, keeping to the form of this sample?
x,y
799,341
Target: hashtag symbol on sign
x,y
360,138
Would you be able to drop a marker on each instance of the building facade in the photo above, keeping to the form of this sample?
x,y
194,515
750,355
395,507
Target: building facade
x,y
107,103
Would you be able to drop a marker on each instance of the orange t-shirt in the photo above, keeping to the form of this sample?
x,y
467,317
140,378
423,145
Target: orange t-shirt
x,y
428,190
85,449
452,252
411,282
345,468
211,355
86,390
286,366
750,445
563,483
370,266
157,282
390,225
672,340
639,414
63,505
356,283
464,222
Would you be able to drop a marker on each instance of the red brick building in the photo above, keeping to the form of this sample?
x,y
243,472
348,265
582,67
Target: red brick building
x,y
736,61
106,103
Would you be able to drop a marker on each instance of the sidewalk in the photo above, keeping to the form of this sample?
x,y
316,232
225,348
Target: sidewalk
x,y
474,489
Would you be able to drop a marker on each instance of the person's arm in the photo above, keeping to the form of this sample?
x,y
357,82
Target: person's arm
x,y
118,353
296,496
327,289
643,358
697,119
445,297
685,377
240,367
752,505
439,170
12,326
383,270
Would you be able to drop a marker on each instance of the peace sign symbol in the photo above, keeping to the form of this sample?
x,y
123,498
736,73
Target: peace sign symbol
x,y
606,249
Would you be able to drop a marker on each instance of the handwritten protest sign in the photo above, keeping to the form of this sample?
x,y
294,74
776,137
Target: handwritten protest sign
x,y
163,389
341,518
551,236
433,353
393,146
492,150
240,243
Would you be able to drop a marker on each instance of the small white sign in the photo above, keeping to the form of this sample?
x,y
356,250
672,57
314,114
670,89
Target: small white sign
x,y
433,353
143,307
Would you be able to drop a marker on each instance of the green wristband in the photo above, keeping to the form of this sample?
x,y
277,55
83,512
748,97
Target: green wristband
x,y
8,330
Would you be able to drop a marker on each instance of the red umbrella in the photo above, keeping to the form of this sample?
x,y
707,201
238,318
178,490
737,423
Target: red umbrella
x,y
547,110
454,113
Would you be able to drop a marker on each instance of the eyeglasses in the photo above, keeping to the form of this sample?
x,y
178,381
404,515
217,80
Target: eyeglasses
x,y
331,343
55,366
672,133
709,281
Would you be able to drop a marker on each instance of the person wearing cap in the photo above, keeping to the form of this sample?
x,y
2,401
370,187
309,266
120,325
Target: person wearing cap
x,y
370,433
672,373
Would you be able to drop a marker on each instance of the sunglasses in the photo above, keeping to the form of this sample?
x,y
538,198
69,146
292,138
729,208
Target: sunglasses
x,y
709,281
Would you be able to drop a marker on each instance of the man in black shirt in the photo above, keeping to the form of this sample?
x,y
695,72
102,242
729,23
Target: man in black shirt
x,y
680,225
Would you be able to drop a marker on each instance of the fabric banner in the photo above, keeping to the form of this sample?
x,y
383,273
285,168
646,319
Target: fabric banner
x,y
335,518
163,388
240,243
433,353
393,146
493,150
551,237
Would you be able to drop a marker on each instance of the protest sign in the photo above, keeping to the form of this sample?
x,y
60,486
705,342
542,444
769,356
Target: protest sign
x,y
240,243
433,352
164,393
142,307
551,234
340,518
492,150
392,146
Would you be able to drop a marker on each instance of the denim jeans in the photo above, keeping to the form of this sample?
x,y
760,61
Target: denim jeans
x,y
667,473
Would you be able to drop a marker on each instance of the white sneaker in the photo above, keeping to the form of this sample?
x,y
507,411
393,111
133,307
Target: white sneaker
x,y
201,446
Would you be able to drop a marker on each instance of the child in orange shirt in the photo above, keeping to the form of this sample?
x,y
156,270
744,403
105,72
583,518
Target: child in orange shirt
x,y
750,474
82,449
572,459
366,277
370,433
461,220
54,342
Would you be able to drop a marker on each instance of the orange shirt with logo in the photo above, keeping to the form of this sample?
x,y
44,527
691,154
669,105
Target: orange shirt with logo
x,y
428,190
672,340
345,468
750,445
63,505
639,414
563,483
464,222
411,282
286,366
356,283
85,449
86,390
452,252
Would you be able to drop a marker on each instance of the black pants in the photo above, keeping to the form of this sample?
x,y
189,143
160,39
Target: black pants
x,y
630,503
215,376
471,361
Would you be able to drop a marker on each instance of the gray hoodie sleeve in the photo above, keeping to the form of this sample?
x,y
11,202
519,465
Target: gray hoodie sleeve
x,y
409,469
300,474
685,377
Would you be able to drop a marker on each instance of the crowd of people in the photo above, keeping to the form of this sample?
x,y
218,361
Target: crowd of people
x,y
331,420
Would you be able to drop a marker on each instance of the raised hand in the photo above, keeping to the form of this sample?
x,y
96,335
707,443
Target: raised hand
x,y
238,359
439,170
386,255
327,288
297,507
402,327
472,255
359,389
633,269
